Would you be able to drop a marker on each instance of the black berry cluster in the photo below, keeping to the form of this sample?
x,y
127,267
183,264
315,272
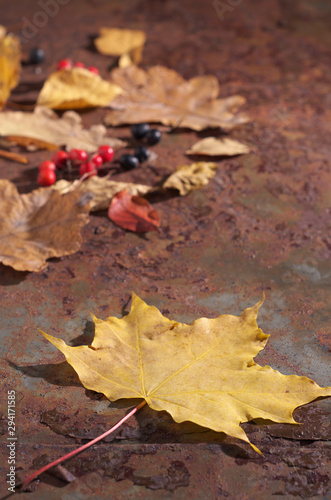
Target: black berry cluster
x,y
141,132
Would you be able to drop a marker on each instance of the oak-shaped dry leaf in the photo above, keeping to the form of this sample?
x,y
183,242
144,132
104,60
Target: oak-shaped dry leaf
x,y
128,44
44,124
203,372
211,146
10,64
133,213
189,177
102,189
75,89
39,225
162,95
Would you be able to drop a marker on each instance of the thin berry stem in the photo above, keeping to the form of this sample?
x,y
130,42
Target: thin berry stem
x,y
81,448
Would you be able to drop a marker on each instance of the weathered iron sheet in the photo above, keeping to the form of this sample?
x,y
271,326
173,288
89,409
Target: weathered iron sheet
x,y
262,225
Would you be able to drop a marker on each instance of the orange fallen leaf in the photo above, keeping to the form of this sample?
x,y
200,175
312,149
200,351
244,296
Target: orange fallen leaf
x,y
162,95
75,89
128,44
39,225
133,213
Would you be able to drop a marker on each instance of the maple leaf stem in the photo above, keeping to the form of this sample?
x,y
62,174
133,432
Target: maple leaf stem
x,y
81,448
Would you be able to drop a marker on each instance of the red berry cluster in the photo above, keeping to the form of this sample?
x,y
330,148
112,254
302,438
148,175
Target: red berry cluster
x,y
68,64
75,158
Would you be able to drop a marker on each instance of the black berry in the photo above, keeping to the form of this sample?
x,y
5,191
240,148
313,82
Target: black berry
x,y
153,136
37,56
142,153
128,162
139,130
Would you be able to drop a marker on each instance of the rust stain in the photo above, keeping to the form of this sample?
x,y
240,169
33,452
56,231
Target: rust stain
x,y
262,224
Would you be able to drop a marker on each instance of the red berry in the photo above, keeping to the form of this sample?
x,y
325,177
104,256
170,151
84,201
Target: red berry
x,y
64,64
87,168
93,69
47,165
60,159
106,152
46,177
77,155
79,64
97,161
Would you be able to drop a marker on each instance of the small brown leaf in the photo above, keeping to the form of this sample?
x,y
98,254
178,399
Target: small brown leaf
x,y
128,44
44,124
39,225
10,64
76,88
189,177
210,146
103,190
133,213
162,95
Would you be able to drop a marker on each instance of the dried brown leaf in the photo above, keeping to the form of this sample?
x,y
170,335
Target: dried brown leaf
x,y
189,177
128,44
39,225
76,88
103,190
210,146
44,124
161,95
10,64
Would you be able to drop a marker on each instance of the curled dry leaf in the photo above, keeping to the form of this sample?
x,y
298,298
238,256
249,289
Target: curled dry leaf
x,y
13,156
162,95
189,177
128,44
102,189
10,64
76,88
44,124
39,225
203,372
30,143
133,213
210,146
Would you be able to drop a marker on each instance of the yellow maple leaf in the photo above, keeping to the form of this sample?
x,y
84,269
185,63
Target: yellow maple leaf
x,y
10,64
203,372
76,88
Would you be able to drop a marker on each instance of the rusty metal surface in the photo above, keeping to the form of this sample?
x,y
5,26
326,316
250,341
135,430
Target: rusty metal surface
x,y
263,224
